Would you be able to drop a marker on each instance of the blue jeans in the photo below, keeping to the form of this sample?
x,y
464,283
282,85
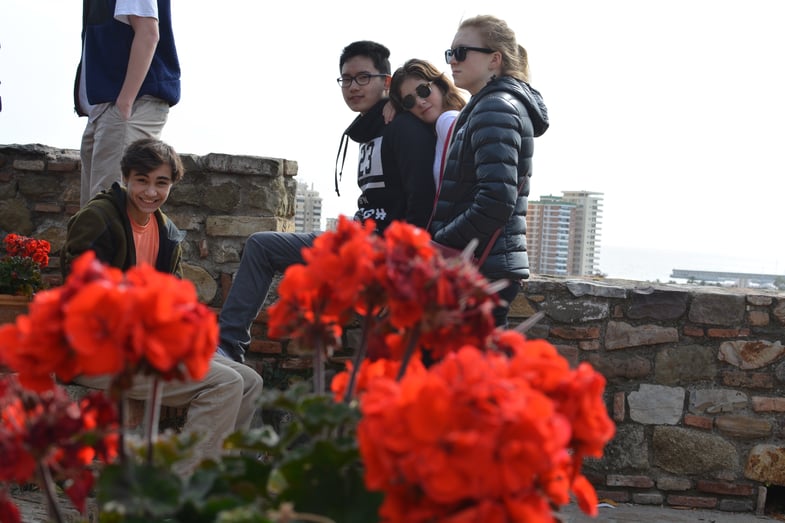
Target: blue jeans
x,y
264,255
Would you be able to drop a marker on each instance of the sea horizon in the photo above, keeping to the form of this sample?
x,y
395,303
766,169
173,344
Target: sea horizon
x,y
641,264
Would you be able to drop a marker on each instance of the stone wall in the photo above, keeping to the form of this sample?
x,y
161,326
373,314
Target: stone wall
x,y
219,202
696,375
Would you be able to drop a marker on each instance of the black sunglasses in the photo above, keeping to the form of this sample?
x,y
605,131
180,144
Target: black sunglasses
x,y
422,90
459,53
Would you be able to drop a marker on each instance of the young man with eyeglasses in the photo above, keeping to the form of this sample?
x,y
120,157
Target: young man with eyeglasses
x,y
393,173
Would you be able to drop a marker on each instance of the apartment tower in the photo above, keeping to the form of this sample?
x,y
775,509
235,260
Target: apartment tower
x,y
307,209
548,222
563,233
586,227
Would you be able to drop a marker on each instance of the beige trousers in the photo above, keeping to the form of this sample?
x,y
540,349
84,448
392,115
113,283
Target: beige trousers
x,y
105,138
224,401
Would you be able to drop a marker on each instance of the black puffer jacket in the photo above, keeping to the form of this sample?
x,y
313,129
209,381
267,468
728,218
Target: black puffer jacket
x,y
491,154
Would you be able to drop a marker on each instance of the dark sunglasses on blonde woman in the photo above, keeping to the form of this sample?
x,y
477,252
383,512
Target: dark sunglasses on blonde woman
x,y
459,53
422,91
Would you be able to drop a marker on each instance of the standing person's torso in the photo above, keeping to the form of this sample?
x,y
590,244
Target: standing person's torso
x,y
106,42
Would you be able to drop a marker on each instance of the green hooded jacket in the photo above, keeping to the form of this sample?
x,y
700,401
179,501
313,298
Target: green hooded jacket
x,y
103,226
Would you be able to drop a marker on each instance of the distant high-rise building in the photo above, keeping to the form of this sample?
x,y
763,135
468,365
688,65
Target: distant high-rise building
x,y
563,232
330,224
586,231
548,232
307,209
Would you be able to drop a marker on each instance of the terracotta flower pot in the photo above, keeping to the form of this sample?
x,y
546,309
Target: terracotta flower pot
x,y
12,306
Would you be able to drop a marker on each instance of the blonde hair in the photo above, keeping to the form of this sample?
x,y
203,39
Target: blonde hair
x,y
497,35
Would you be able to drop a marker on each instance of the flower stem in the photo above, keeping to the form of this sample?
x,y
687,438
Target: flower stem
x,y
152,416
414,336
48,485
359,356
122,413
318,369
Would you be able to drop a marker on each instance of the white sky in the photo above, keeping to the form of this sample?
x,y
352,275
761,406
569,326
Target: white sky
x,y
674,109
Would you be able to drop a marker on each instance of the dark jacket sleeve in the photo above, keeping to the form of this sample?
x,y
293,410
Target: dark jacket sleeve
x,y
414,143
170,250
91,229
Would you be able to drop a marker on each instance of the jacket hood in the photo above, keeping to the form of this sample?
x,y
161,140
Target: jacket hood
x,y
530,97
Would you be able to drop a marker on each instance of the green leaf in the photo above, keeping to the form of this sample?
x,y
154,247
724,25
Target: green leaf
x,y
138,490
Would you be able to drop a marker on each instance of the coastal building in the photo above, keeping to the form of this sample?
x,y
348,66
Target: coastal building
x,y
548,234
307,209
563,233
586,227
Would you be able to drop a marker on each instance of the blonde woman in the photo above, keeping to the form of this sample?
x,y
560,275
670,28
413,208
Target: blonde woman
x,y
485,187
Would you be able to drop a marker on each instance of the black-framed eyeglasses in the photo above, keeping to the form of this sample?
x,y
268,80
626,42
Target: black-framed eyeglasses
x,y
459,53
345,81
423,91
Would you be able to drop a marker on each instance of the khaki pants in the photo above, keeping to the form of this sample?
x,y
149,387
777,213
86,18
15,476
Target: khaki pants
x,y
223,402
106,137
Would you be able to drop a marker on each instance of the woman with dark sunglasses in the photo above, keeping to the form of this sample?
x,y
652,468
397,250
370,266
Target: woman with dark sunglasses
x,y
485,186
420,88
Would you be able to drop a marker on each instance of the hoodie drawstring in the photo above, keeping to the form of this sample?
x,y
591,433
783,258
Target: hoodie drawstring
x,y
343,145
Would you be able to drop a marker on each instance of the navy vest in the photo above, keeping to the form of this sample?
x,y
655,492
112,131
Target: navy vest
x,y
107,44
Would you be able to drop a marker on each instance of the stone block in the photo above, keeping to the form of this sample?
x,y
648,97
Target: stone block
x,y
698,422
656,405
725,487
685,364
242,165
715,401
759,300
576,310
673,483
779,311
647,498
758,318
29,165
737,505
575,332
768,404
743,427
750,354
657,305
717,309
688,452
242,226
619,480
752,380
766,463
691,501
621,335
620,366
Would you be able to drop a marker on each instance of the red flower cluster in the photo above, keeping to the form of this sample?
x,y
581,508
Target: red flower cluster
x,y
103,321
50,430
24,247
495,431
21,265
399,280
481,436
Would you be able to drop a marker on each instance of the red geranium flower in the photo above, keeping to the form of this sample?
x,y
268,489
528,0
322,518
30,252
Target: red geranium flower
x,y
102,321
